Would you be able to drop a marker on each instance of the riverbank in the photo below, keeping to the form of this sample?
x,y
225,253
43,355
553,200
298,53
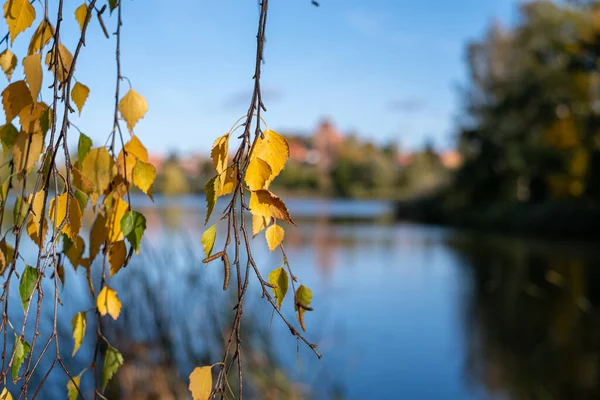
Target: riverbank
x,y
562,220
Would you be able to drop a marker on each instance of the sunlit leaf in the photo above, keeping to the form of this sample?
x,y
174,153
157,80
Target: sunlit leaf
x,y
144,175
79,94
5,395
72,392
35,221
15,97
30,117
133,225
112,362
304,295
99,167
33,73
83,147
63,61
8,62
259,223
116,256
97,235
73,224
219,153
201,383
266,204
27,149
8,253
208,239
274,150
21,351
19,15
80,15
211,189
44,32
113,222
274,235
132,107
279,278
108,302
133,151
229,181
78,324
27,285
257,174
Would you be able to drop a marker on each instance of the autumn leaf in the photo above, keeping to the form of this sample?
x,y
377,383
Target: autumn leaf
x,y
15,97
274,235
78,324
99,167
112,362
80,15
80,93
229,181
64,61
27,150
201,383
113,222
72,392
279,278
212,193
133,225
83,147
257,174
73,224
8,253
133,151
274,150
208,240
21,351
304,296
132,107
116,256
97,235
30,117
5,395
8,136
219,153
34,222
74,250
8,62
19,15
259,223
27,285
32,66
144,175
266,204
108,303
44,32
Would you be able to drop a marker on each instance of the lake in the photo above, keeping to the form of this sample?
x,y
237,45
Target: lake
x,y
401,311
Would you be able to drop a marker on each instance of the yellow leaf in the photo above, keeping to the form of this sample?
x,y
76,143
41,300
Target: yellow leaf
x,y
259,223
99,167
27,150
266,204
80,94
108,302
32,66
229,179
81,182
113,222
5,395
8,62
73,225
201,383
143,176
257,174
78,323
64,62
30,117
34,222
19,15
44,32
75,252
274,235
274,150
208,239
132,151
80,15
219,153
279,278
133,107
8,253
15,97
135,147
212,189
97,235
72,392
116,256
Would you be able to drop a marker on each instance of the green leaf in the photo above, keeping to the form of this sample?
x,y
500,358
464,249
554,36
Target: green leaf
x,y
83,147
78,323
279,278
21,351
27,285
133,225
112,361
8,136
45,121
72,392
304,296
208,239
82,199
212,194
112,4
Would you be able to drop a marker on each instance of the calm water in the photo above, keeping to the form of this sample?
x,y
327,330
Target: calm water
x,y
402,311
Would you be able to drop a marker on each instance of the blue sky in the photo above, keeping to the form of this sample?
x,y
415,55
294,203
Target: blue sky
x,y
386,69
